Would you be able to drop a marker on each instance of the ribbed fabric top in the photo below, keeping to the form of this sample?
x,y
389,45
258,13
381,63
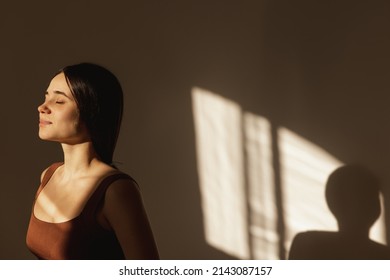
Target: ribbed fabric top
x,y
79,238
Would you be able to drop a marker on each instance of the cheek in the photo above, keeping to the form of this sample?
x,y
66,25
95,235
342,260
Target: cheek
x,y
76,123
71,117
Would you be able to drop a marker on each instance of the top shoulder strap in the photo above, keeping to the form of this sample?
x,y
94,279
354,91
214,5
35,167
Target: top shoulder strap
x,y
46,177
49,172
96,201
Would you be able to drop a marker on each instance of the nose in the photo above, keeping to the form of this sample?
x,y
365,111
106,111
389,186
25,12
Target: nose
x,y
43,109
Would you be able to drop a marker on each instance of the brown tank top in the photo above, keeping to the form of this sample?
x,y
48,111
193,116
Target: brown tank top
x,y
79,238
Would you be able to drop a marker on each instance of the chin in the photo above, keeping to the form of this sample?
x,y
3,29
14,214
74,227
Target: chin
x,y
46,137
42,137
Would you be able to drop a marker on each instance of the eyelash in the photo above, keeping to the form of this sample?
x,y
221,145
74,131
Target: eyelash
x,y
57,102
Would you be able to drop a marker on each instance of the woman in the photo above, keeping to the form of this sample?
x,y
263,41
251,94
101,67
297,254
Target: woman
x,y
85,208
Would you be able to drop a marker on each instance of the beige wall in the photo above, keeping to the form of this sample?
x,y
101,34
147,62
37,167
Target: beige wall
x,y
318,68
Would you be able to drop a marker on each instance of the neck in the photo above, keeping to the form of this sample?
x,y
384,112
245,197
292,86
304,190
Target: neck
x,y
78,158
360,232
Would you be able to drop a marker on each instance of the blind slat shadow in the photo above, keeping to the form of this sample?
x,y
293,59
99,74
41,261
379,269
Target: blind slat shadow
x,y
260,183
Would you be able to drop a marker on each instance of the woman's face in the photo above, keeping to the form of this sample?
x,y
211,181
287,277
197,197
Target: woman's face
x,y
59,116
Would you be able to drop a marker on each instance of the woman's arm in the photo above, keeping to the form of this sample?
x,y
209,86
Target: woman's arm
x,y
124,211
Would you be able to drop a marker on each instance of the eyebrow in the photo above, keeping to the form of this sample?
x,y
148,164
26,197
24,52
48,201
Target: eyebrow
x,y
59,92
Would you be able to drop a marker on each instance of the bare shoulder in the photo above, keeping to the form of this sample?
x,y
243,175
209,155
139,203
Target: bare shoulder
x,y
125,214
123,190
123,200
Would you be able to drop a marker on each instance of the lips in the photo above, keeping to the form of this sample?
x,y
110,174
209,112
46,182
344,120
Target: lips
x,y
44,122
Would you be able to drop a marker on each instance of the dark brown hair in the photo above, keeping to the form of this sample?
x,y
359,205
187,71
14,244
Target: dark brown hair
x,y
99,98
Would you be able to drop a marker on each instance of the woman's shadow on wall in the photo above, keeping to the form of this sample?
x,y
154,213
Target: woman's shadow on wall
x,y
353,196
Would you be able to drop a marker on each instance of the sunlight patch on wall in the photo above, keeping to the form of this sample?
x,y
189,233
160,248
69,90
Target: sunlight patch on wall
x,y
237,180
305,168
378,230
221,173
261,187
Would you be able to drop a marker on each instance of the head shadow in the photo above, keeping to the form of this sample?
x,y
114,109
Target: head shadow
x,y
353,197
